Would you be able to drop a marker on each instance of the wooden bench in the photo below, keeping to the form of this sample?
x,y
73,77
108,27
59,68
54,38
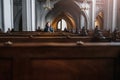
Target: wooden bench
x,y
60,61
44,39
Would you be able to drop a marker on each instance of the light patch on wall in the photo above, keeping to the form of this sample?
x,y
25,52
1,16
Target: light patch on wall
x,y
62,24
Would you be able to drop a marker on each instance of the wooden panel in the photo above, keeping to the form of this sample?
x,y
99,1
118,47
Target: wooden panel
x,y
5,69
74,69
60,61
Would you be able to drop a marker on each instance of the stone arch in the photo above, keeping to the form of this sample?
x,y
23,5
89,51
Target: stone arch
x,y
68,8
86,18
84,13
70,21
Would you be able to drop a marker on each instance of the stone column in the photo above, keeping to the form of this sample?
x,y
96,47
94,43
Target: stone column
x,y
7,14
33,3
93,13
82,21
28,13
90,17
107,14
110,14
114,17
118,14
1,19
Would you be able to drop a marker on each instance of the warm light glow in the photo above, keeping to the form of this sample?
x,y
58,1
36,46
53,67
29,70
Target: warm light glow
x,y
97,23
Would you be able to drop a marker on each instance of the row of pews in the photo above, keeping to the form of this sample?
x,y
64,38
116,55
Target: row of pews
x,y
57,56
42,37
51,37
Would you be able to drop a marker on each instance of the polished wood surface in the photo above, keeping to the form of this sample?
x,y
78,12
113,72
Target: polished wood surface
x,y
57,56
59,61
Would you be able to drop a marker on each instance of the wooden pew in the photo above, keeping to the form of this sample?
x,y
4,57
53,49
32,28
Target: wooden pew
x,y
47,37
44,39
60,61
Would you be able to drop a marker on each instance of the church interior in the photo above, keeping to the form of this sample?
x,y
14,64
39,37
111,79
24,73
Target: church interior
x,y
59,40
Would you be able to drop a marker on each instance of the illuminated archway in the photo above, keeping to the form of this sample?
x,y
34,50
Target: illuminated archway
x,y
99,20
62,25
70,23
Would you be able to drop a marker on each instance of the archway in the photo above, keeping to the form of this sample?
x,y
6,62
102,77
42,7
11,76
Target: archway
x,y
99,20
67,19
66,10
62,25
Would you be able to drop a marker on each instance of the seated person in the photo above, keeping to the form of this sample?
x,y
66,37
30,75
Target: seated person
x,y
65,29
96,29
115,35
8,31
48,28
98,34
38,29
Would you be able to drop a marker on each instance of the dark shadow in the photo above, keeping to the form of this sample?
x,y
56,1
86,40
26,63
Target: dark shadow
x,y
20,24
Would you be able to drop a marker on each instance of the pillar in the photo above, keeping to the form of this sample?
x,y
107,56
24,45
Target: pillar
x,y
93,13
82,21
118,14
114,17
107,14
1,19
28,12
110,15
8,14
